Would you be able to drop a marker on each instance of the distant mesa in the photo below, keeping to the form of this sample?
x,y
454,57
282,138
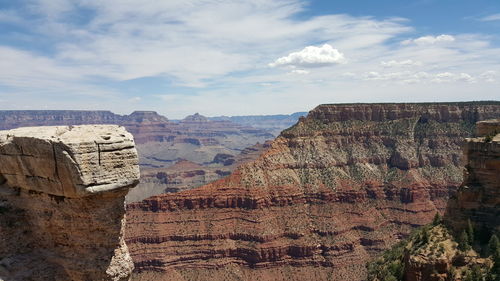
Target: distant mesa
x,y
146,116
195,118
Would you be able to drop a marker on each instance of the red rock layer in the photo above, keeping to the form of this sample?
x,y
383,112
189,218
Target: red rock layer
x,y
334,190
477,201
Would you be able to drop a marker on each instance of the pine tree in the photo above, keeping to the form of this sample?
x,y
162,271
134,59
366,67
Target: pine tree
x,y
437,219
463,242
494,244
495,269
424,237
470,231
477,274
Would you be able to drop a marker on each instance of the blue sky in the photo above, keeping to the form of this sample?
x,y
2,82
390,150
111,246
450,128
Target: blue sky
x,y
228,57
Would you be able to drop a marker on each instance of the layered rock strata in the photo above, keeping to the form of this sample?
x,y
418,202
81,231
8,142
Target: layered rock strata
x,y
479,196
62,192
331,192
184,174
441,252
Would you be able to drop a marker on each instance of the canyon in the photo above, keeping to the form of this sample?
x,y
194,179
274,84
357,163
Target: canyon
x,y
164,145
345,183
62,202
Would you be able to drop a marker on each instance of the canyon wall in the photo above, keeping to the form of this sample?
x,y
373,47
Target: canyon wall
x,y
62,192
479,195
464,244
161,143
333,191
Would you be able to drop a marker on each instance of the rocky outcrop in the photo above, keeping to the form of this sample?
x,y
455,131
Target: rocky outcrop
x,y
62,192
331,192
479,196
460,246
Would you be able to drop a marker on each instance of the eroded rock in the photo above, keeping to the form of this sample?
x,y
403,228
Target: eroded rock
x,y
62,193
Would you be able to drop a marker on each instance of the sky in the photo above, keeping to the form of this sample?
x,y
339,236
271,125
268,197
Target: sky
x,y
252,57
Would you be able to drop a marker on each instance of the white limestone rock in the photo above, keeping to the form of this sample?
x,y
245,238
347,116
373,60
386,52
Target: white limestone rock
x,y
69,161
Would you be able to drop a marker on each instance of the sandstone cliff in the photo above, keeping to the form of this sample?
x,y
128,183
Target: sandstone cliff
x,y
479,196
62,192
331,192
465,246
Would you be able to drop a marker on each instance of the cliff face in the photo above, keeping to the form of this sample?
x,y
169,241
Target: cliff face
x,y
479,196
465,246
334,190
184,174
62,192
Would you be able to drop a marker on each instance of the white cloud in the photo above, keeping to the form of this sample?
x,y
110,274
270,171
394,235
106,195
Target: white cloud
x,y
408,77
10,17
311,56
218,52
430,40
447,77
134,99
494,17
299,71
489,76
404,63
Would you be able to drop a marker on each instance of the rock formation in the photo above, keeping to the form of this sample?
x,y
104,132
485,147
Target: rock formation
x,y
331,192
461,248
62,192
479,196
184,174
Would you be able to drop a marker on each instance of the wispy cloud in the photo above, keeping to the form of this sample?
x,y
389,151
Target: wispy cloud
x,y
401,63
494,17
220,52
429,40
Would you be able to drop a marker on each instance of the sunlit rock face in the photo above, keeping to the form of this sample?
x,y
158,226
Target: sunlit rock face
x,y
62,192
330,193
479,196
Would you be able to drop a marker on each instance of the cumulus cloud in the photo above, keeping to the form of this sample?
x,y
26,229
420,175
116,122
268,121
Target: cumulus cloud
x,y
311,56
395,63
493,17
430,40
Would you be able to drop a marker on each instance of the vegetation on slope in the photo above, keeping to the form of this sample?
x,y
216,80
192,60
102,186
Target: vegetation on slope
x,y
439,253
